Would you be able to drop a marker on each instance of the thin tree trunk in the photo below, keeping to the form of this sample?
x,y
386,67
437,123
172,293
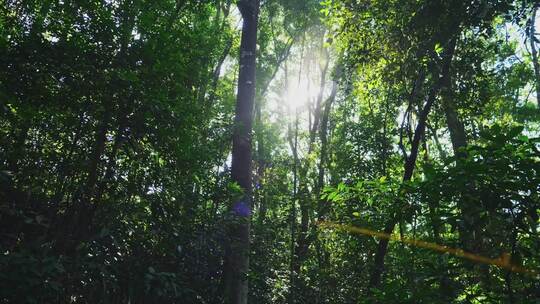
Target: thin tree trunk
x,y
226,51
320,95
261,162
279,60
324,142
468,233
322,208
296,241
445,286
293,143
382,248
74,226
294,147
303,240
111,164
19,151
534,53
298,190
455,126
204,85
307,234
438,145
217,70
99,148
84,212
384,139
237,252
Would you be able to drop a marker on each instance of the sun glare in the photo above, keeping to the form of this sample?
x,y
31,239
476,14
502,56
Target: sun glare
x,y
300,93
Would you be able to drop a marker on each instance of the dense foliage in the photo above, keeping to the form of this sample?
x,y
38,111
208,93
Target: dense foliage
x,y
416,118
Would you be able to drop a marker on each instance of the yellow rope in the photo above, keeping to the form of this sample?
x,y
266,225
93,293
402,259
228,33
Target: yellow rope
x,y
504,261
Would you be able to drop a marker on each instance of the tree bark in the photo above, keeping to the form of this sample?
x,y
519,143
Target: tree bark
x,y
237,252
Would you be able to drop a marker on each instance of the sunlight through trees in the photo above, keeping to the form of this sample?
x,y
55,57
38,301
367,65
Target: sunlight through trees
x,y
272,151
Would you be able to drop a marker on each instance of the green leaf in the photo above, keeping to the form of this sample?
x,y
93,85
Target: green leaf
x,y
438,48
514,131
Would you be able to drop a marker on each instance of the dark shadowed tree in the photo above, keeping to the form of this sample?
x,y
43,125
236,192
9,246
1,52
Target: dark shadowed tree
x,y
237,251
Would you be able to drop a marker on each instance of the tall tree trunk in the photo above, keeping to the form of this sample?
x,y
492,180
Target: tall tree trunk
x,y
261,161
294,148
75,224
534,53
324,142
323,205
410,163
84,212
305,196
470,231
292,136
318,104
237,252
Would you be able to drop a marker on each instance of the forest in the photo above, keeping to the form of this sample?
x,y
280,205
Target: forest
x,y
270,151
